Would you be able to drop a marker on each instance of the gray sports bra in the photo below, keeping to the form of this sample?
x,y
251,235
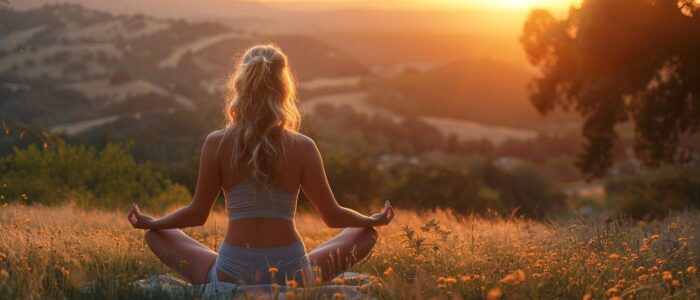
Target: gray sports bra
x,y
242,203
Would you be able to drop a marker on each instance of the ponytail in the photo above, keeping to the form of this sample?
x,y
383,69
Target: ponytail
x,y
262,106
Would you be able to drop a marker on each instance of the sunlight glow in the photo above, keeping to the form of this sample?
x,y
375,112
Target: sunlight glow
x,y
469,4
504,4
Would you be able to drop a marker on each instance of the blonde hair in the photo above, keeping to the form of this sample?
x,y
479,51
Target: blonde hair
x,y
262,105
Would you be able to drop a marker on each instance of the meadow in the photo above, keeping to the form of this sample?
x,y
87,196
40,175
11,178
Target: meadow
x,y
55,252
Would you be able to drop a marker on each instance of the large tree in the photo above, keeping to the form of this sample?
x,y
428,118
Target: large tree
x,y
614,61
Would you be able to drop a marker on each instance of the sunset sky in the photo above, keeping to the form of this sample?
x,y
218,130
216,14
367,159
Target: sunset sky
x,y
479,4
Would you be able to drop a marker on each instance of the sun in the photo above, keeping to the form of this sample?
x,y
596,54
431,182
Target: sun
x,y
513,3
503,4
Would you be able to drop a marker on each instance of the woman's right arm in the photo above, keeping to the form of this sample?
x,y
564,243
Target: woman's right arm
x,y
315,185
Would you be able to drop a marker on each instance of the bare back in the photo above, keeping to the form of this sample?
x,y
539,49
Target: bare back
x,y
264,232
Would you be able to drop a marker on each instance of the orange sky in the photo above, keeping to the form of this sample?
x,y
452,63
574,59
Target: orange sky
x,y
478,4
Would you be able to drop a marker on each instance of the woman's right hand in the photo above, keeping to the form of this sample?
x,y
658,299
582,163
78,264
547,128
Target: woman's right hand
x,y
384,217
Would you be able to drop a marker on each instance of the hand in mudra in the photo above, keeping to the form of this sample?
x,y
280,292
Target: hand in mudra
x,y
137,219
385,216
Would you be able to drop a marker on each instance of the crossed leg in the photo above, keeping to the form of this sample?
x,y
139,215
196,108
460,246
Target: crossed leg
x,y
182,253
193,260
343,251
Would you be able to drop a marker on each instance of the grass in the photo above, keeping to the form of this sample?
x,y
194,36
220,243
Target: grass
x,y
51,253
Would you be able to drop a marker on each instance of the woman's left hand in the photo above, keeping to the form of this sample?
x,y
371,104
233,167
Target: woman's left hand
x,y
139,220
385,216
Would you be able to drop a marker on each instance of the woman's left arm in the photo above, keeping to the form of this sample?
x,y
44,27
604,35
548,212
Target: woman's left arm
x,y
197,212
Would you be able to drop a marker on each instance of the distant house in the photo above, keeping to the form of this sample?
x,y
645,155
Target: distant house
x,y
507,162
16,87
434,157
387,161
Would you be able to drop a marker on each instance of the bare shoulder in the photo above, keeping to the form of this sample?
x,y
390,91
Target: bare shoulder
x,y
216,136
214,140
301,139
300,144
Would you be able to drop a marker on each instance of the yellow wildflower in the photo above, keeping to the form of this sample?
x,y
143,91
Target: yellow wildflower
x,y
292,283
290,294
510,278
667,276
272,270
389,271
675,283
692,270
494,294
183,263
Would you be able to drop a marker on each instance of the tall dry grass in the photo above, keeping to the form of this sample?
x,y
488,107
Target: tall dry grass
x,y
52,252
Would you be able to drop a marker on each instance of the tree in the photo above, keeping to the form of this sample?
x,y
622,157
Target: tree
x,y
615,61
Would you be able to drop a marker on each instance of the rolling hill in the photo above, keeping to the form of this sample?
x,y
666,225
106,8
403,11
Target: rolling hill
x,y
98,77
110,61
479,90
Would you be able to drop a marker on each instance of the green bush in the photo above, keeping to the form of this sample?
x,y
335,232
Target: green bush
x,y
524,188
109,178
355,180
654,195
422,187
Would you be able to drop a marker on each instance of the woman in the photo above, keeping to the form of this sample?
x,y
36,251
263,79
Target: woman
x,y
260,161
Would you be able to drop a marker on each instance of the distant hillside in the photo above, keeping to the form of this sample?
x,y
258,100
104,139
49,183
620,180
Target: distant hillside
x,y
480,90
102,63
98,77
423,46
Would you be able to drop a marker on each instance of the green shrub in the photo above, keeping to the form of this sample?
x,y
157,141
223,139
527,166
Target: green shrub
x,y
524,188
355,180
109,178
654,195
422,187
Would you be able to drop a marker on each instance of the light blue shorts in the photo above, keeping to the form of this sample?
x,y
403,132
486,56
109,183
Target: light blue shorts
x,y
252,265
